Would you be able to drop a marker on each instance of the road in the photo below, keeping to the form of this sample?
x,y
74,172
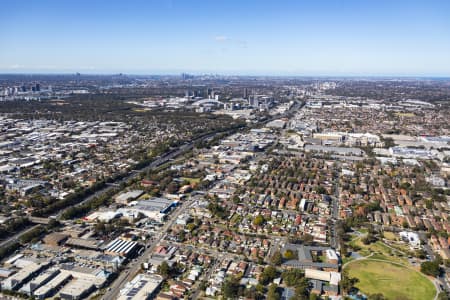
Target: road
x,y
15,238
170,155
334,239
208,275
442,282
154,164
135,265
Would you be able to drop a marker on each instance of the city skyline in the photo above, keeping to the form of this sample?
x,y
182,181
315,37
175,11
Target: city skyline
x,y
336,38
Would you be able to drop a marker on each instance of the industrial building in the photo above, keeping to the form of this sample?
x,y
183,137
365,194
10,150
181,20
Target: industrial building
x,y
67,280
120,247
25,274
77,289
52,286
55,238
143,286
91,244
39,281
124,198
154,208
96,276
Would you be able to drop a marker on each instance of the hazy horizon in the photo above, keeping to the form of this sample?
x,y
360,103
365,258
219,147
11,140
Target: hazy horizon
x,y
256,38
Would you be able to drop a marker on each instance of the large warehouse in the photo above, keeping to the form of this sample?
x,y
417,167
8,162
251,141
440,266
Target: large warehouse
x,y
119,247
154,208
143,286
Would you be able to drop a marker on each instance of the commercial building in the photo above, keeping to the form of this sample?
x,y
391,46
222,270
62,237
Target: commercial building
x,y
77,289
25,274
410,152
91,244
55,238
143,286
124,198
96,276
120,247
154,208
52,286
39,281
338,137
336,150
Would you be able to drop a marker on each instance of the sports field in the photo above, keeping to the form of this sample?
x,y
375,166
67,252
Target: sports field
x,y
393,281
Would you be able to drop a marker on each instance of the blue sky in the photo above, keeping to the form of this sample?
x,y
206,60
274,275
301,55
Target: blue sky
x,y
314,37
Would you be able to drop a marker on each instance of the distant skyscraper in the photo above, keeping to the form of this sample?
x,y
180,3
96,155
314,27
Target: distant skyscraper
x,y
253,101
38,87
186,76
245,93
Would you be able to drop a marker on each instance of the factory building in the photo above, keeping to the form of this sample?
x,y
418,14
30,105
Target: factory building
x,y
77,289
39,281
142,287
120,247
52,286
154,208
24,275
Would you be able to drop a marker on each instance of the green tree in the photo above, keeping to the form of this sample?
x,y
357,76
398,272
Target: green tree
x,y
290,254
217,210
268,275
430,268
347,282
292,277
301,289
230,288
313,296
377,296
190,226
307,238
277,258
272,293
164,269
258,220
236,199
443,296
172,188
260,288
369,239
320,190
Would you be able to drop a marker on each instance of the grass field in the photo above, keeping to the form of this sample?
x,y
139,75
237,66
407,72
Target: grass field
x,y
405,114
390,236
191,180
393,281
346,260
380,250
